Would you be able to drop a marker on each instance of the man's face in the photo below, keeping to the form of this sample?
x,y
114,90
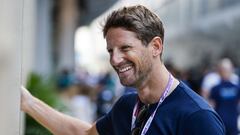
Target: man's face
x,y
131,60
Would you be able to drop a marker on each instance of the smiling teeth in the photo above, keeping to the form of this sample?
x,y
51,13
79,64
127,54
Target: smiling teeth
x,y
124,69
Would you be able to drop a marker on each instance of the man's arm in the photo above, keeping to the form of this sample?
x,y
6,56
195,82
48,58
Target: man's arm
x,y
56,122
204,122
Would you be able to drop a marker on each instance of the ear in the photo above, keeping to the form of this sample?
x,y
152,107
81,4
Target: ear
x,y
156,46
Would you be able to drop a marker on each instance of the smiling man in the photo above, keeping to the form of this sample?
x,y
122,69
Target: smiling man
x,y
162,104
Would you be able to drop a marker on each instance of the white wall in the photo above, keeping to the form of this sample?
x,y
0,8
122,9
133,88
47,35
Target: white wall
x,y
10,65
29,37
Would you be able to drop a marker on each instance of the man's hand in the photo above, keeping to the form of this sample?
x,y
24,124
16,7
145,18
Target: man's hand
x,y
56,122
26,98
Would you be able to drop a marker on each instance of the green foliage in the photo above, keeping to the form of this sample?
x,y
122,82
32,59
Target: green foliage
x,y
45,90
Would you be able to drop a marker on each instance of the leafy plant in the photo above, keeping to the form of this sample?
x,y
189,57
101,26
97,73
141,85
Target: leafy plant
x,y
45,90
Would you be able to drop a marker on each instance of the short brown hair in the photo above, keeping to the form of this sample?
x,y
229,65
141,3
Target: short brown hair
x,y
137,19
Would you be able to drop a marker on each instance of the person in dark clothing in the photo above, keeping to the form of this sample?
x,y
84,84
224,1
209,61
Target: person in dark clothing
x,y
162,106
225,97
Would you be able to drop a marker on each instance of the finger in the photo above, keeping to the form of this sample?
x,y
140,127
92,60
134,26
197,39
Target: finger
x,y
23,88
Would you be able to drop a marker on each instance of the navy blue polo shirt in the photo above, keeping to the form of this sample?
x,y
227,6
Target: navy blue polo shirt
x,y
182,113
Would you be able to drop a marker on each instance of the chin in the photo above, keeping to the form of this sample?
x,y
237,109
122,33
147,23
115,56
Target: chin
x,y
127,83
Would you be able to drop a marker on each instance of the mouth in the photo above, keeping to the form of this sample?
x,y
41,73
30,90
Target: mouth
x,y
124,70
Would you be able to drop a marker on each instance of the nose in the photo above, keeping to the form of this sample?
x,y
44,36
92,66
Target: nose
x,y
116,58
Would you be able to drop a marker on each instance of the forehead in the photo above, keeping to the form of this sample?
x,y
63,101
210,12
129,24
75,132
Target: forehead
x,y
118,36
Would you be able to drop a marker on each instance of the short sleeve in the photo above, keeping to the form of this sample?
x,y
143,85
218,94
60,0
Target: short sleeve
x,y
209,81
117,120
104,125
204,122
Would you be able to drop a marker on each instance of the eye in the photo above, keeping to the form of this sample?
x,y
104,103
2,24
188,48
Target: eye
x,y
110,51
126,48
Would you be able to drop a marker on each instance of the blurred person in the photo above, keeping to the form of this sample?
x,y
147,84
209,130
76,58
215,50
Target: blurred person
x,y
225,97
212,79
64,79
163,105
66,96
81,103
209,80
66,89
105,96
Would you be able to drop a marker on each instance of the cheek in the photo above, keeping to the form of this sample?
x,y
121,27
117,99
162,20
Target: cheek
x,y
132,56
145,60
146,55
141,58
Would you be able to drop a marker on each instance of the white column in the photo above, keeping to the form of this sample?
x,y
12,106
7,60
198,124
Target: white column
x,y
43,44
67,27
29,37
10,65
28,45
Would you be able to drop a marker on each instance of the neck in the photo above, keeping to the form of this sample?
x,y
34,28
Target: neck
x,y
155,86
